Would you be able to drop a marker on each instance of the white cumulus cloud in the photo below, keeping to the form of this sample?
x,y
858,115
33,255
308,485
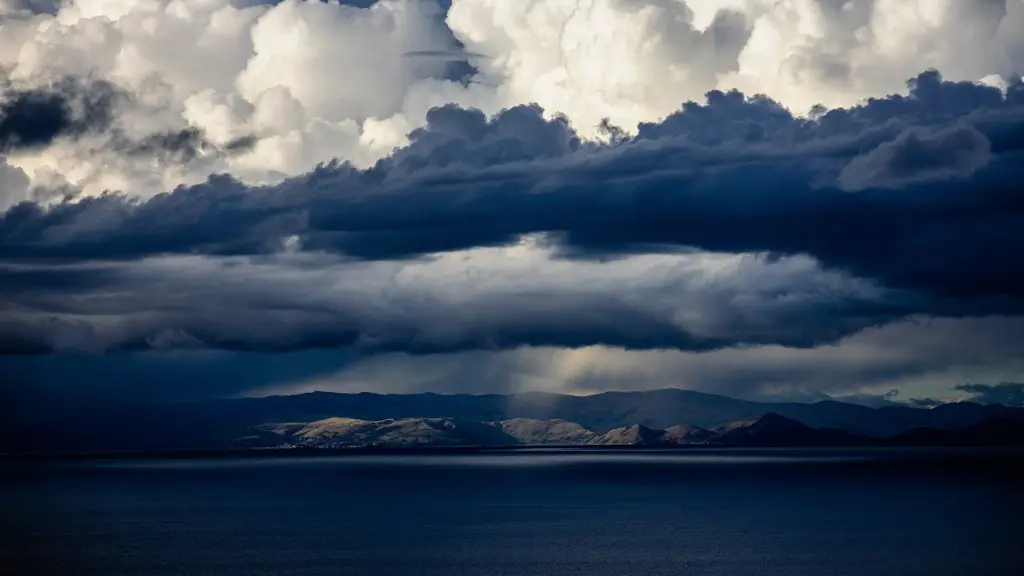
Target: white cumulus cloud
x,y
309,81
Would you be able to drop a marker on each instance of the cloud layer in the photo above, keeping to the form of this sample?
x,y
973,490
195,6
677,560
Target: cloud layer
x,y
922,358
736,175
483,177
481,299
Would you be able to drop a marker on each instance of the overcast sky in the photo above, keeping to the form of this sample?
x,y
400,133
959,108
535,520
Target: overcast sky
x,y
788,199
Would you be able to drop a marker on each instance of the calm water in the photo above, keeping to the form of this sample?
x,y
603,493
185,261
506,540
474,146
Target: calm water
x,y
704,513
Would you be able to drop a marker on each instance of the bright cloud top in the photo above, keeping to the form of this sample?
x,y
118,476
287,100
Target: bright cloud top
x,y
304,82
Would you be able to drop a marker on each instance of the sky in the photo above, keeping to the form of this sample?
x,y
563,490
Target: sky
x,y
768,199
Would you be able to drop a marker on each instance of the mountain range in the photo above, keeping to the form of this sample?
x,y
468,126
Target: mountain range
x,y
766,430
667,417
335,433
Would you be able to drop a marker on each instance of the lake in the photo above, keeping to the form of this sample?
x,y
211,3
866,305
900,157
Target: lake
x,y
544,512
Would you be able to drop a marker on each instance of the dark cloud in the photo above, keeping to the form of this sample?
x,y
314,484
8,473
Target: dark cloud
x,y
441,54
733,175
890,398
356,3
181,146
72,108
68,108
293,302
85,380
456,63
855,370
918,154
1006,393
27,8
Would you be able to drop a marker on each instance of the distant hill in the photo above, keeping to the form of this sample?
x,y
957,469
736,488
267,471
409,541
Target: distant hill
x,y
635,435
774,430
994,432
551,432
669,416
688,434
602,412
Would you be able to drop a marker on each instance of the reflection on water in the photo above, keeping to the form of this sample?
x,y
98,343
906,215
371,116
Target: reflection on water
x,y
570,456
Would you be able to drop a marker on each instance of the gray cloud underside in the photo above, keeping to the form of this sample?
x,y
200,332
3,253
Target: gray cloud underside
x,y
917,357
474,301
857,191
923,359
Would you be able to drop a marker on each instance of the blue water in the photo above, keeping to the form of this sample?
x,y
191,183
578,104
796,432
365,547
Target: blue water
x,y
730,513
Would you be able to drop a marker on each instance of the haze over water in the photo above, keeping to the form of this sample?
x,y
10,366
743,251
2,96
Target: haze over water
x,y
729,513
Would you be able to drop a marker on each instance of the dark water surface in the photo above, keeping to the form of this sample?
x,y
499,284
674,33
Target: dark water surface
x,y
728,513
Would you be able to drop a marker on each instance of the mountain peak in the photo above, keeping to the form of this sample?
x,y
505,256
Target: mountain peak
x,y
636,435
552,431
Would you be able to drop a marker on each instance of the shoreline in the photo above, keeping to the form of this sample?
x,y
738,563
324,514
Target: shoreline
x,y
535,450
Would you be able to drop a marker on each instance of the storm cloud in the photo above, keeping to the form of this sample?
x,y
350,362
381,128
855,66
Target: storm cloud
x,y
712,180
733,175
